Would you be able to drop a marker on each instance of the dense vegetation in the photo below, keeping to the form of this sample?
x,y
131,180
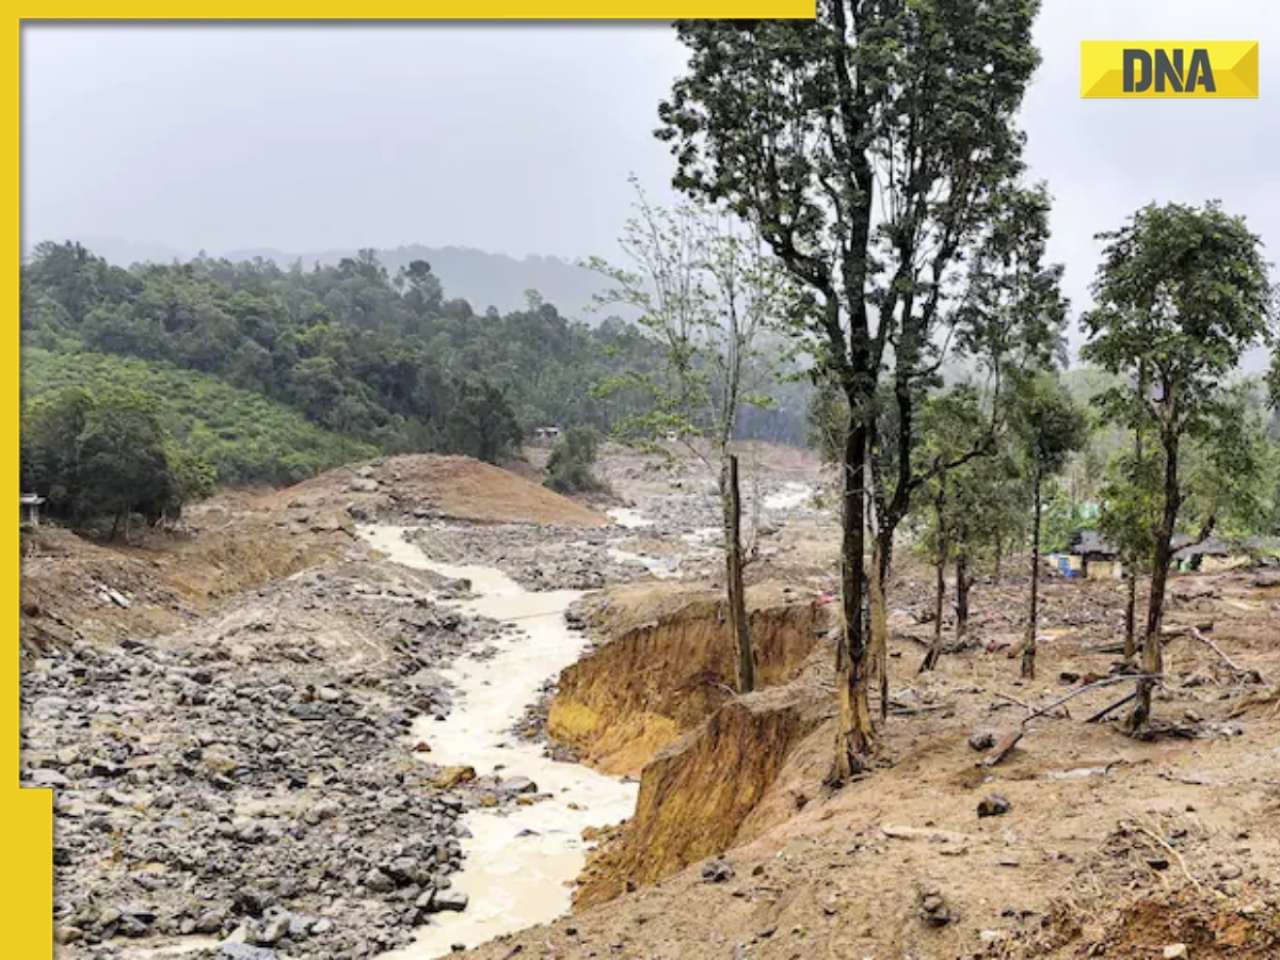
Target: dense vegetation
x,y
105,456
569,468
387,360
243,436
383,359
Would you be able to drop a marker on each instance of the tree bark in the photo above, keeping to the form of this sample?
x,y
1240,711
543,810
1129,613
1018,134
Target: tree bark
x,y
878,652
856,732
739,625
940,587
1152,648
1033,614
1131,603
962,595
1131,616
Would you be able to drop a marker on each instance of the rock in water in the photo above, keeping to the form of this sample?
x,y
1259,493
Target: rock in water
x,y
447,900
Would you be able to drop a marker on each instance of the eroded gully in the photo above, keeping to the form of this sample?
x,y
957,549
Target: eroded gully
x,y
519,864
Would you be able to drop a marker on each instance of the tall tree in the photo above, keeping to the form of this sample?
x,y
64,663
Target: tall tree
x,y
1051,428
949,425
801,127
1184,292
707,292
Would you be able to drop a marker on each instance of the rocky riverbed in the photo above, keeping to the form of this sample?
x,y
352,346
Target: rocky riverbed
x,y
254,778
668,535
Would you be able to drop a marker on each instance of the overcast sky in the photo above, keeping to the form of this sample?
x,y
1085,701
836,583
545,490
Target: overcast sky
x,y
519,138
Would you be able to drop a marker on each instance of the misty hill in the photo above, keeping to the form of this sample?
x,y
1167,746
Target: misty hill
x,y
482,279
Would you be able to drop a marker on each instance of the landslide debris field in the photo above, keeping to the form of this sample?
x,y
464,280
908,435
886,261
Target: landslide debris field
x,y
227,716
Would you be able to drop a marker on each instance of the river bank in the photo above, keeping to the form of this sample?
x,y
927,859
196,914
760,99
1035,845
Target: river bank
x,y
520,862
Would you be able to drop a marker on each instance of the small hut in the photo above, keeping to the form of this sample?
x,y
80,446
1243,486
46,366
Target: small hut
x,y
1092,555
1207,556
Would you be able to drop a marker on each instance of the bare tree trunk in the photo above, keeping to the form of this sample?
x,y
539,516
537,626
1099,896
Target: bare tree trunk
x,y
877,600
739,626
856,731
962,595
1033,615
940,588
999,557
1131,615
1131,604
1152,648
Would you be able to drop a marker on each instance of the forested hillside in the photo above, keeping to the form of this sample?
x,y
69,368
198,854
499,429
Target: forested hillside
x,y
383,359
244,436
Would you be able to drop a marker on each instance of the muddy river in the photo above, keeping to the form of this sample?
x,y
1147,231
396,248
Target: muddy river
x,y
519,865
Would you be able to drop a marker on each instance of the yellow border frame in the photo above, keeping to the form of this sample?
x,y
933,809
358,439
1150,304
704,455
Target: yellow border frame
x,y
26,878
26,838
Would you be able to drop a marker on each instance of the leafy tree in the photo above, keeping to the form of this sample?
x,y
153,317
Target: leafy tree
x,y
801,127
705,292
107,455
1182,291
949,425
480,423
573,456
1051,427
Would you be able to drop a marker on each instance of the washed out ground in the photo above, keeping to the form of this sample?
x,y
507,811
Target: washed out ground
x,y
225,716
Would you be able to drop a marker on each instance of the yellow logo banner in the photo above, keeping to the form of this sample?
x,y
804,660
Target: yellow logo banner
x,y
1169,69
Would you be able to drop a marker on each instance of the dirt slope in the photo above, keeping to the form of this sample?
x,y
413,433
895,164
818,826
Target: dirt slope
x,y
658,678
73,588
1110,847
426,485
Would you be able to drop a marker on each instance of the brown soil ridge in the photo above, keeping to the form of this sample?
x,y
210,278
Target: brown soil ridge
x,y
702,794
451,487
631,697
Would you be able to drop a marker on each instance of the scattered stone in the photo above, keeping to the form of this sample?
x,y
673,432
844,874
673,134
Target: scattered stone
x,y
982,740
934,910
717,871
993,805
447,900
451,777
243,951
1175,951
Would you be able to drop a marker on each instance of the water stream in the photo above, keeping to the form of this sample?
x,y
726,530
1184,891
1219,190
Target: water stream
x,y
519,864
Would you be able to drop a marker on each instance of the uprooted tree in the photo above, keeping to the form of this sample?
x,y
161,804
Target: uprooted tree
x,y
1182,292
804,128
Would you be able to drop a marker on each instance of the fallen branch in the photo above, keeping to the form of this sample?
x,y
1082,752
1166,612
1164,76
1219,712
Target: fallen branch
x,y
1010,740
930,834
1167,634
1114,706
1106,682
1176,855
1253,675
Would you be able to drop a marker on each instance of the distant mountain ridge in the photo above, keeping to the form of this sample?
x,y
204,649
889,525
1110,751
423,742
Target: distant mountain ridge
x,y
482,279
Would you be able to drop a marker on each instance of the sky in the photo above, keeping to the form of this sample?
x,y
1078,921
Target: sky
x,y
519,138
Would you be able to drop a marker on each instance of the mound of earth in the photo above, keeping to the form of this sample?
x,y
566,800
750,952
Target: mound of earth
x,y
424,486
